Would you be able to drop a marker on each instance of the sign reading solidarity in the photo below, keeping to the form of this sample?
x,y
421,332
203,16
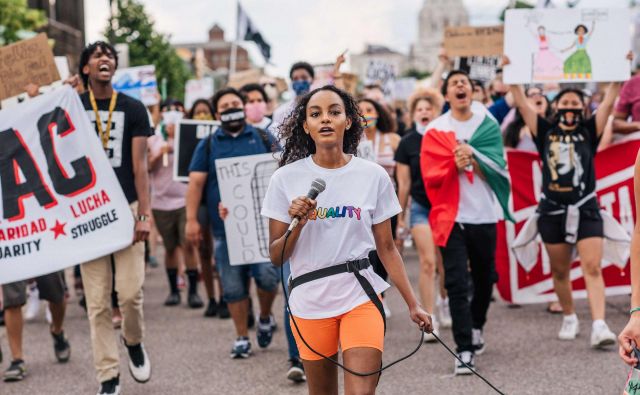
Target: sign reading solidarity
x,y
614,174
60,201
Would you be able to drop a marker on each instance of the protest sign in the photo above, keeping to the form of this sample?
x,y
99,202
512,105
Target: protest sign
x,y
25,62
60,201
188,135
197,89
240,78
481,68
614,174
138,82
382,73
243,184
404,87
567,45
473,40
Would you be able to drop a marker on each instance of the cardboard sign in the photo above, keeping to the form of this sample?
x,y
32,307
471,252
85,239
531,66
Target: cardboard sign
x,y
138,82
188,135
25,62
614,188
241,78
473,41
243,184
481,68
60,201
197,89
567,45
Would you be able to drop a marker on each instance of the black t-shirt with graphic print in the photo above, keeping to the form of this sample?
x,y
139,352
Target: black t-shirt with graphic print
x,y
129,120
568,172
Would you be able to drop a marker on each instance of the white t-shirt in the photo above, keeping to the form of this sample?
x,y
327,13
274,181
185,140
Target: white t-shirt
x,y
477,202
357,196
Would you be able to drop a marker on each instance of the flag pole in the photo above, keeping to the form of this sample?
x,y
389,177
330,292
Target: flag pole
x,y
234,44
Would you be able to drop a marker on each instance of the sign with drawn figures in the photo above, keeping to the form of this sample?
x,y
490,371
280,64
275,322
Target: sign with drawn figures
x,y
614,188
567,45
243,184
138,82
60,201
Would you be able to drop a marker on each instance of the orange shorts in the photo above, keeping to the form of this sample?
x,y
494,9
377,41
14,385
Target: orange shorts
x,y
360,327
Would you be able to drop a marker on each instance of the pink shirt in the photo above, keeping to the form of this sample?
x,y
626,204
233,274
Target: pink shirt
x,y
166,194
629,102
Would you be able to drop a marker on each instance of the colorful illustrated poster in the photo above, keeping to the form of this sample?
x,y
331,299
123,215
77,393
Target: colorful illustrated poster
x,y
567,45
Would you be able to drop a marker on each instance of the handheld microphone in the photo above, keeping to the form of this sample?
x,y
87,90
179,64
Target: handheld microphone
x,y
318,185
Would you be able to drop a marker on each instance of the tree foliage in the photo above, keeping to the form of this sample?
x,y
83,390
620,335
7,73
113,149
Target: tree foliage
x,y
18,21
131,25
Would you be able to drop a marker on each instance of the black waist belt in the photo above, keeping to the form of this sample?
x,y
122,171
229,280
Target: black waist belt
x,y
347,267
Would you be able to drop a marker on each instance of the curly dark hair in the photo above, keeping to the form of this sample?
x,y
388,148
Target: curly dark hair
x,y
86,54
299,145
385,121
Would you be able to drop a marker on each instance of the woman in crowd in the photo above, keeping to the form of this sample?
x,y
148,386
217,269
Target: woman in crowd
x,y
379,133
322,136
424,106
256,106
567,146
517,134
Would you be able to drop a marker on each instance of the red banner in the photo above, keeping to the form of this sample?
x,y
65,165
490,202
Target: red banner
x,y
614,173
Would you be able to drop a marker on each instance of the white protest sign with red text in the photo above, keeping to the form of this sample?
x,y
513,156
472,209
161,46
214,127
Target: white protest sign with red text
x,y
60,201
614,174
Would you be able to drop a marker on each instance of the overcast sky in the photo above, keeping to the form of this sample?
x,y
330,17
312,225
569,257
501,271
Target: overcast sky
x,y
315,31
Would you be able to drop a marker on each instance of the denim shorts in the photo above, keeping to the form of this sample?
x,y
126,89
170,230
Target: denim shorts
x,y
419,214
235,279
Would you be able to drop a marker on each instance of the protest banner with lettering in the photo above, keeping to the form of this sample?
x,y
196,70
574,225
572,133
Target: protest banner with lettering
x,y
481,68
473,40
138,82
379,72
197,89
61,203
25,62
614,174
188,135
567,45
243,184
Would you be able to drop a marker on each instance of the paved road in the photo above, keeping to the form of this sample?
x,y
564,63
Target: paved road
x,y
190,355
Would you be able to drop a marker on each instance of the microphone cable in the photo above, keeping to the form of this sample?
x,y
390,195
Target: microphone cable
x,y
382,368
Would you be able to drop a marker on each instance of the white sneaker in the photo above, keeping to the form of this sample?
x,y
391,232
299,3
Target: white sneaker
x,y
33,304
387,311
570,327
601,336
139,364
468,358
444,315
428,337
478,341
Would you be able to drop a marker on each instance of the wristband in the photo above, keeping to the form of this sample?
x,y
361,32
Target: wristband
x,y
633,310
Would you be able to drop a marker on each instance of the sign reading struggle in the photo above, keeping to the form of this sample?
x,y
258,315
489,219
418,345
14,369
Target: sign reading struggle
x,y
60,201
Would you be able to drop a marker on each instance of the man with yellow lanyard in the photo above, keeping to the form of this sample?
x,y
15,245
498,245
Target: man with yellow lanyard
x,y
123,126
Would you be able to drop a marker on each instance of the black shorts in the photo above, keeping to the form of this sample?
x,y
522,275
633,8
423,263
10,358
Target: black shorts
x,y
552,227
50,288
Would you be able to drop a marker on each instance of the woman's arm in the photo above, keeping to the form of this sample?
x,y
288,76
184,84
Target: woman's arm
x,y
528,113
299,208
394,265
606,107
631,333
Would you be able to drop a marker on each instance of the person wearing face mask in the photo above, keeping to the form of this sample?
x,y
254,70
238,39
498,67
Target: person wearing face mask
x,y
568,214
302,75
424,105
256,106
233,139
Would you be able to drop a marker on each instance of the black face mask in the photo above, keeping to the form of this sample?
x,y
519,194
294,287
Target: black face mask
x,y
570,120
232,120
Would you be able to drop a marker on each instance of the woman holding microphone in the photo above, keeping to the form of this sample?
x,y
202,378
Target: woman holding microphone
x,y
336,230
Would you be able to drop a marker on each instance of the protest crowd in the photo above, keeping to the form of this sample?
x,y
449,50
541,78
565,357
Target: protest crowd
x,y
439,172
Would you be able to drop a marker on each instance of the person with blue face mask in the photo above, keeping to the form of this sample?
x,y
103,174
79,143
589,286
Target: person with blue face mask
x,y
302,76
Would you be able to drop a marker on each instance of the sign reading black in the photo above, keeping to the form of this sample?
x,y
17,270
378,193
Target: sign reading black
x,y
188,135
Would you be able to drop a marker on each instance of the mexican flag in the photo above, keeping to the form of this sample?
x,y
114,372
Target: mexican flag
x,y
441,175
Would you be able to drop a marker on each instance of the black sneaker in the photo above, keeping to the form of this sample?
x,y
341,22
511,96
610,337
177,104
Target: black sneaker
x,y
241,348
251,319
464,368
139,364
296,371
1,317
110,387
212,308
266,327
173,299
16,371
61,347
194,301
223,310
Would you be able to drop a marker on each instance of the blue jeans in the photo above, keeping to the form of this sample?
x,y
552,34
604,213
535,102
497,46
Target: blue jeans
x,y
419,215
291,341
235,279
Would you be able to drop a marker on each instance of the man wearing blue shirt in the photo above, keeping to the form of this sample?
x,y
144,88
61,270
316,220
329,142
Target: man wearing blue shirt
x,y
234,138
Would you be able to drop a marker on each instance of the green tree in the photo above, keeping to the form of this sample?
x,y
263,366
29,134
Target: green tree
x,y
518,4
18,21
131,25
